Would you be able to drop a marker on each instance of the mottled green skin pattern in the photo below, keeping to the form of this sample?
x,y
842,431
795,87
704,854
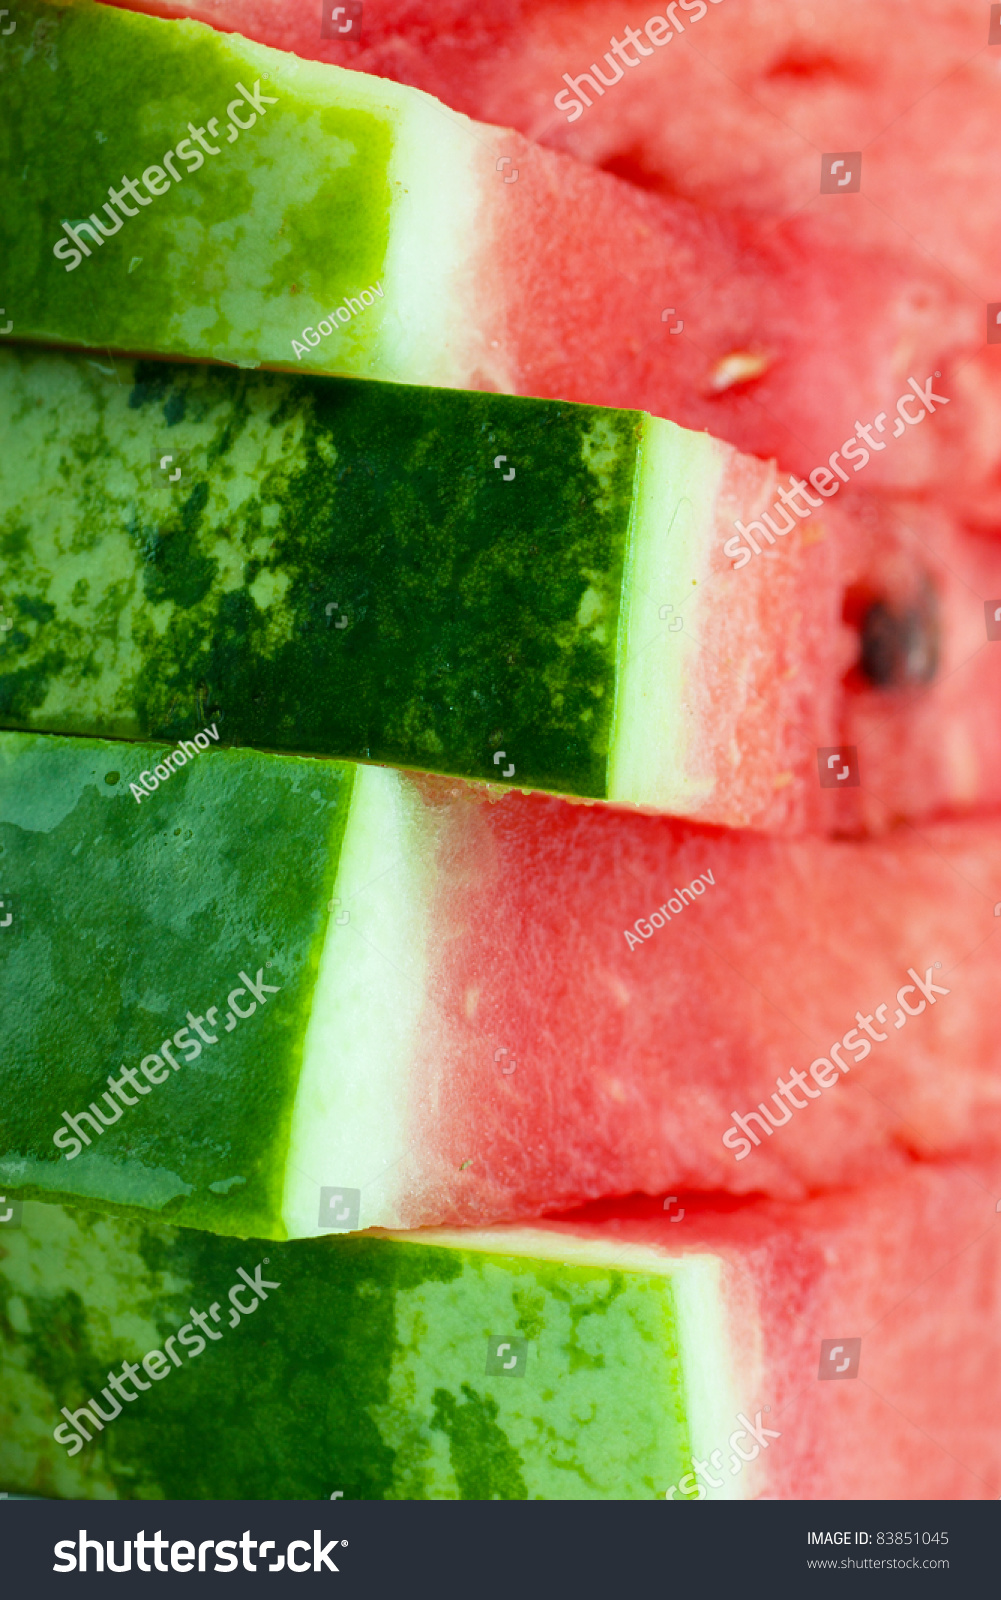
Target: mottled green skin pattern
x,y
294,213
477,614
128,915
364,1373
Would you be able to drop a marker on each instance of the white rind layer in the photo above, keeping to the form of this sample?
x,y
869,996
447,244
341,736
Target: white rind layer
x,y
350,1119
711,1369
658,755
424,327
431,332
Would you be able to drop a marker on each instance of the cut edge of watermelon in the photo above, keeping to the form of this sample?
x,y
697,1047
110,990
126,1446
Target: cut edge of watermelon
x,y
715,1365
349,1121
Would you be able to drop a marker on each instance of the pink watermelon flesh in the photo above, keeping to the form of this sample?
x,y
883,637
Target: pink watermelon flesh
x,y
783,347
911,1267
556,1060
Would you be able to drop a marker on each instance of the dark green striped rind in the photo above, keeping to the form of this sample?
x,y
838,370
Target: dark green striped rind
x,y
128,915
477,614
292,214
363,1374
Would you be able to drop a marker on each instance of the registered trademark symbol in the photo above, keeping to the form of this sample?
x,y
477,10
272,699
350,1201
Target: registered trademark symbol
x,y
344,1543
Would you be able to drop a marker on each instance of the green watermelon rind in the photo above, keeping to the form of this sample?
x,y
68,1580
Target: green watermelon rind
x,y
341,182
343,570
364,1372
127,918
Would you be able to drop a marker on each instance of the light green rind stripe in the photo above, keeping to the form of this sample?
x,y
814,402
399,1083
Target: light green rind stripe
x,y
717,1381
716,1330
599,1411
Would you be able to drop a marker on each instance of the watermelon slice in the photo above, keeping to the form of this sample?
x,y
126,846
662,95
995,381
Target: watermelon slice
x,y
751,95
734,115
487,262
473,1011
636,1354
729,107
482,585
538,593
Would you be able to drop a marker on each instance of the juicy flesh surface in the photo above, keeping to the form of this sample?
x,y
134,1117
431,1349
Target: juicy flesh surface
x,y
580,1064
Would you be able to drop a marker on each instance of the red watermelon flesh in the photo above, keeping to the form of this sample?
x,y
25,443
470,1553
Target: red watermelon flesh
x,y
910,1267
557,1059
599,292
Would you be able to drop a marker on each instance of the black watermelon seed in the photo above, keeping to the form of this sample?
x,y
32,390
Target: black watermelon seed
x,y
900,648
